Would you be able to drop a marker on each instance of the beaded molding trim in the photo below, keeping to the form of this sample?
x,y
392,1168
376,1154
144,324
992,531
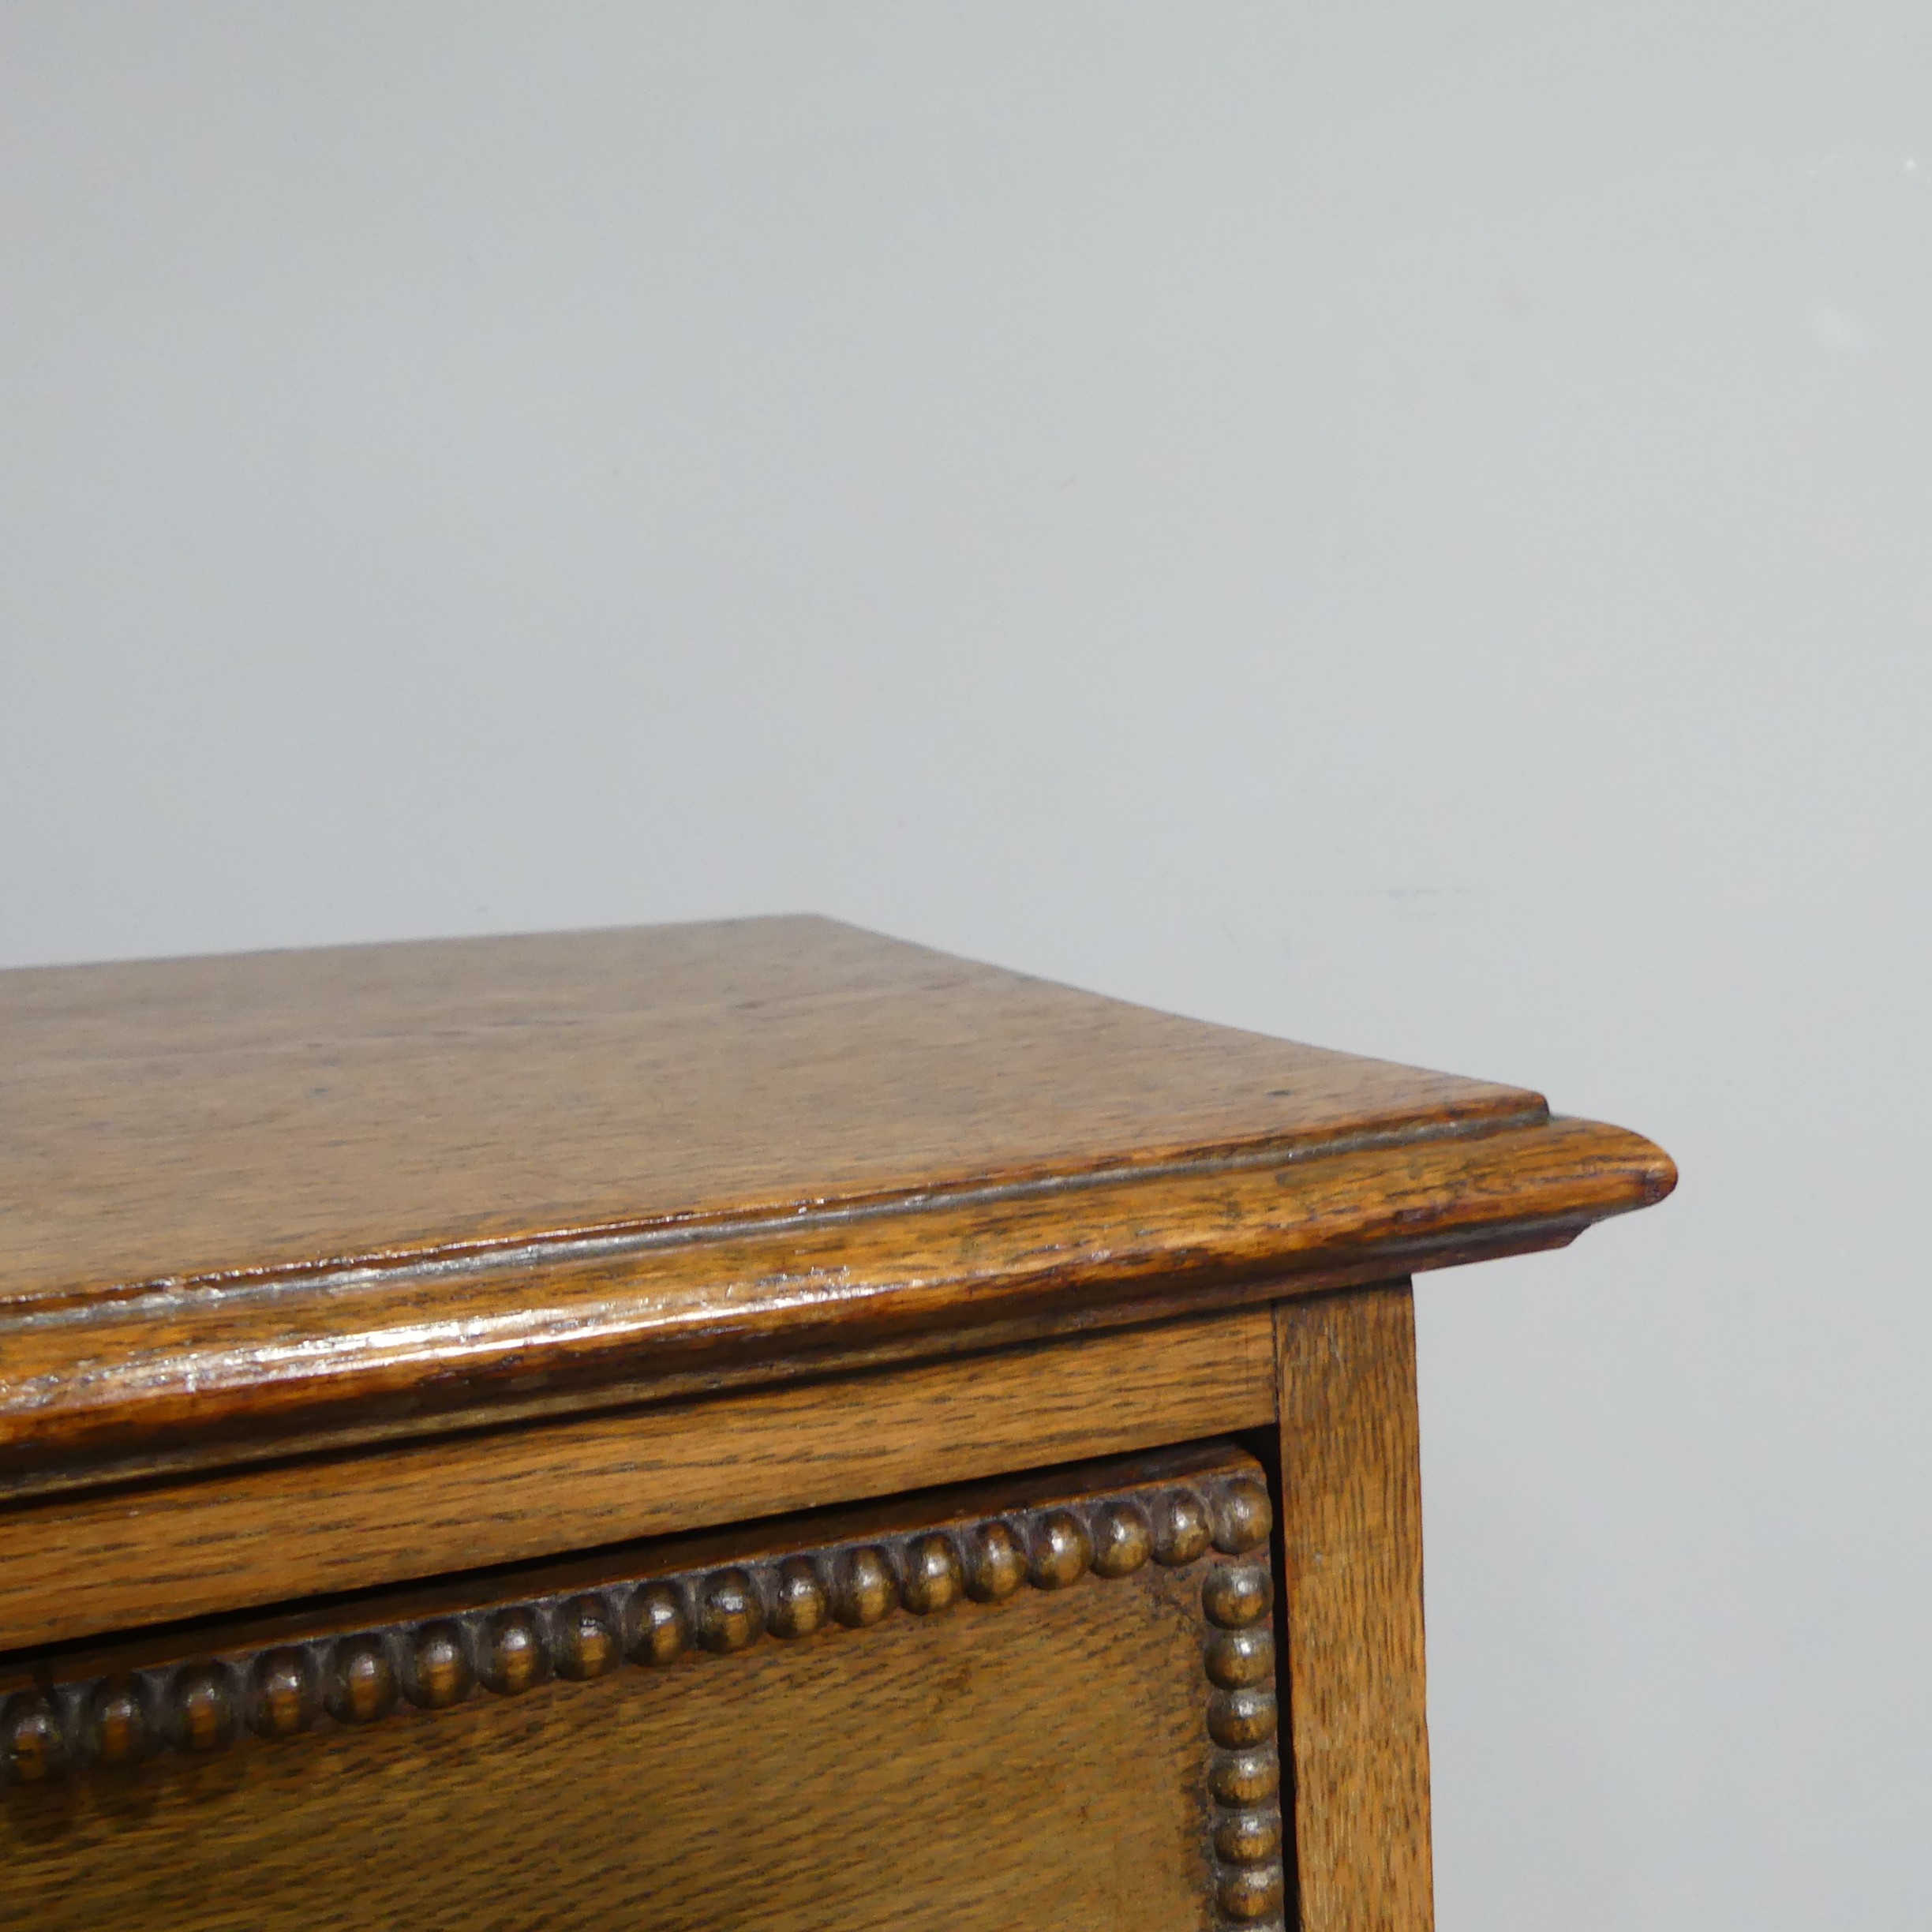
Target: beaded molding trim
x,y
203,1706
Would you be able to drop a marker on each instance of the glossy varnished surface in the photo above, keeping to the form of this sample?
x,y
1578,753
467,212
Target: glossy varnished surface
x,y
248,1206
1047,1703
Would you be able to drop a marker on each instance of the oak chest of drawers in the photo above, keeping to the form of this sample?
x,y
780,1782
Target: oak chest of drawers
x,y
726,1426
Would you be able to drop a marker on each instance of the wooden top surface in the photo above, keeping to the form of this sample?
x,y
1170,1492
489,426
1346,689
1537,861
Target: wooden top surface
x,y
229,1162
192,1118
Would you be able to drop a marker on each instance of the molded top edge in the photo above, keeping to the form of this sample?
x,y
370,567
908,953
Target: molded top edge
x,y
212,1121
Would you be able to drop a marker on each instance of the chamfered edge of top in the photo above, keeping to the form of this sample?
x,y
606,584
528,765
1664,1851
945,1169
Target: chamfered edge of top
x,y
213,1120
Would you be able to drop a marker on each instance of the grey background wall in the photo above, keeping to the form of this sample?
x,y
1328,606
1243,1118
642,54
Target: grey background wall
x,y
1404,525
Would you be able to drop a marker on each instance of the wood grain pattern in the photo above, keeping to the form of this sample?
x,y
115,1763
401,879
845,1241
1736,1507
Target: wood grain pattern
x,y
207,1119
1351,1551
247,1204
334,1271
1096,1750
76,1565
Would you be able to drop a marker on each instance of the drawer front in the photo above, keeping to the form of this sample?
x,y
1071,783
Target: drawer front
x,y
1044,1704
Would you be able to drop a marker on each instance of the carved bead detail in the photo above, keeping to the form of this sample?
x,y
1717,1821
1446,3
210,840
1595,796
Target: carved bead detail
x,y
1248,1837
362,1681
118,1726
1123,1539
800,1605
204,1713
655,1628
359,1679
32,1747
932,1577
587,1644
1239,1718
1236,1595
283,1696
439,1672
1061,1552
1248,1892
866,1590
1247,1777
1180,1528
1237,1657
730,1616
513,1658
995,1562
1243,1516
